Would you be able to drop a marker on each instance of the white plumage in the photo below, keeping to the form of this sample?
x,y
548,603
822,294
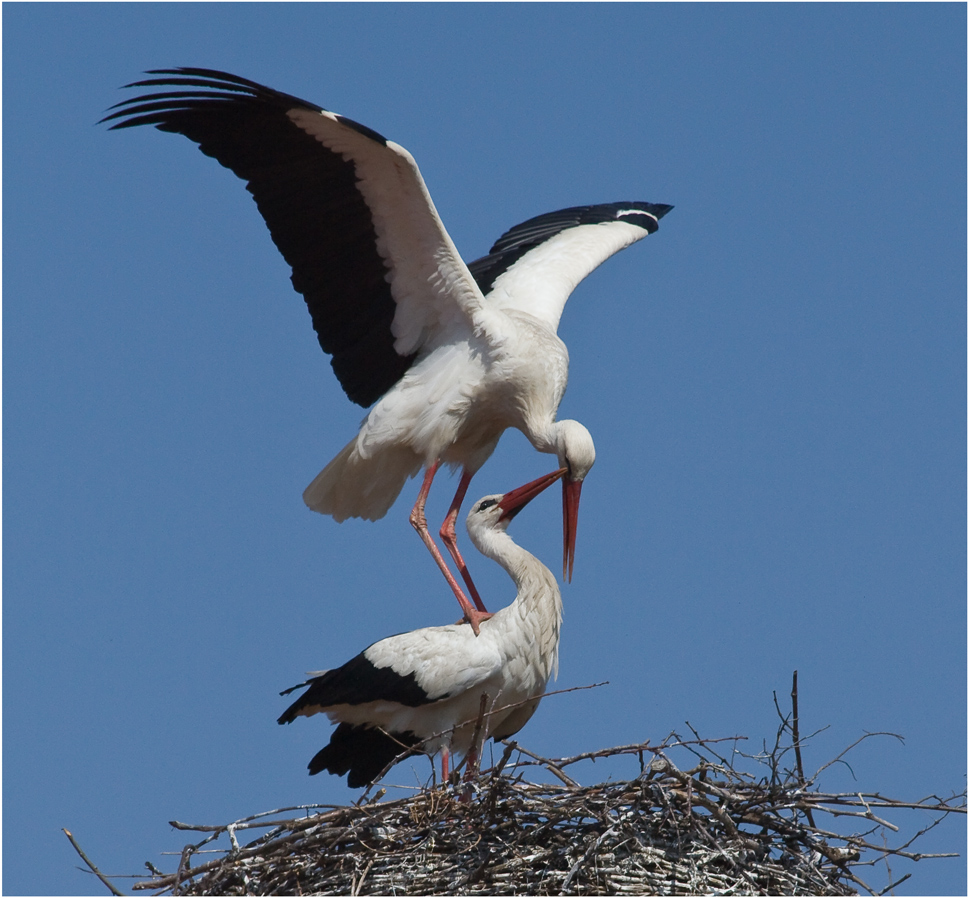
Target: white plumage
x,y
422,691
450,354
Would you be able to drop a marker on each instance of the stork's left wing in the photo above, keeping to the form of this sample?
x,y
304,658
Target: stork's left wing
x,y
536,265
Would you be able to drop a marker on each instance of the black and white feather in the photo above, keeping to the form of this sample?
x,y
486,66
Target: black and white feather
x,y
421,691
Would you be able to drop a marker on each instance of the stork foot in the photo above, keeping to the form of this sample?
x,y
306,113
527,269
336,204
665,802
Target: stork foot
x,y
474,617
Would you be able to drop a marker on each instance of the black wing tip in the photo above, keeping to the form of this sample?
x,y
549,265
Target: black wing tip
x,y
540,228
591,213
194,74
295,687
210,85
295,708
638,212
547,224
289,716
597,213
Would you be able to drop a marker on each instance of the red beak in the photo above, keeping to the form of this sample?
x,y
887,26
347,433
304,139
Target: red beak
x,y
571,491
514,501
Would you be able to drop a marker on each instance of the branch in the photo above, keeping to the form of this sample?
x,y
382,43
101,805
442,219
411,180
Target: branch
x,y
91,865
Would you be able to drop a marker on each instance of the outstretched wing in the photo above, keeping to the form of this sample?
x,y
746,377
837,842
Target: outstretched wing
x,y
536,265
348,210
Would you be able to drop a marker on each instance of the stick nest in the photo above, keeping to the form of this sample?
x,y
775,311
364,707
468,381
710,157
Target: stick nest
x,y
704,829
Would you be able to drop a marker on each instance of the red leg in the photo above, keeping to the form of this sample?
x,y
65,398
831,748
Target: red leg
x,y
450,538
470,770
419,521
444,764
471,764
478,737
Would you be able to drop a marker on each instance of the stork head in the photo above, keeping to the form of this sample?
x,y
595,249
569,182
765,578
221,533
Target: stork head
x,y
577,454
494,512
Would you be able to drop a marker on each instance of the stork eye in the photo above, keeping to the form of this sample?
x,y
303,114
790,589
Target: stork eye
x,y
486,504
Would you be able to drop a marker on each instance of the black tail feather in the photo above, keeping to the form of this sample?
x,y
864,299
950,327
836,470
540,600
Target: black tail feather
x,y
362,752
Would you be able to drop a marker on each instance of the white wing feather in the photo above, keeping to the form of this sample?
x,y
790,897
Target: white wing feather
x,y
429,655
430,283
543,279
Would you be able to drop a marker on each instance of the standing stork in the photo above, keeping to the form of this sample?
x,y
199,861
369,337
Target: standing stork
x,y
449,355
422,691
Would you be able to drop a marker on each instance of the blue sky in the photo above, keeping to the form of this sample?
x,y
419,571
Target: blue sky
x,y
775,382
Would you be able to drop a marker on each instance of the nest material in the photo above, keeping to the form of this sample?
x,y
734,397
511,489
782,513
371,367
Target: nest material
x,y
707,829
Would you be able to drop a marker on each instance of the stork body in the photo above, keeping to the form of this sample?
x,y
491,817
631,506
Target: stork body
x,y
422,691
448,354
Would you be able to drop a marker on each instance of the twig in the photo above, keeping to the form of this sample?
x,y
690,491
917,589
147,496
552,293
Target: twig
x,y
510,747
552,767
356,885
894,884
851,746
593,846
702,743
873,817
471,761
562,762
91,865
183,865
795,736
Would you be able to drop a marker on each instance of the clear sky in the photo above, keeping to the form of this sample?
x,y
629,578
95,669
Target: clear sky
x,y
775,382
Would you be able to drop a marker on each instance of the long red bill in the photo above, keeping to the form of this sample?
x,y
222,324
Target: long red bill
x,y
571,490
514,501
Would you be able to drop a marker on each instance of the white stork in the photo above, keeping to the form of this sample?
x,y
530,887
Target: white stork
x,y
422,691
450,354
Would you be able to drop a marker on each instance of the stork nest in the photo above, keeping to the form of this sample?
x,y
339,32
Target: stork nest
x,y
526,826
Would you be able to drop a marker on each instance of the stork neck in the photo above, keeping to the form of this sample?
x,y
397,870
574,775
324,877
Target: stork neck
x,y
544,437
534,582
